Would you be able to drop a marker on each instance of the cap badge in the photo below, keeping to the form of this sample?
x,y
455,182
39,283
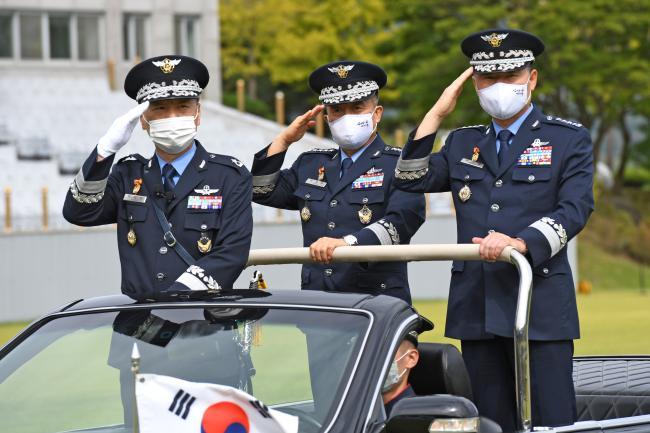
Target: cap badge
x,y
341,70
495,39
167,66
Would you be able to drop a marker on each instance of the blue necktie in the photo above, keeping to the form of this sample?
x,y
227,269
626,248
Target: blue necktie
x,y
345,165
168,173
504,143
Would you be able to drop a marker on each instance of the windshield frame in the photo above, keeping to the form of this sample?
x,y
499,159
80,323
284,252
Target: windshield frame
x,y
329,421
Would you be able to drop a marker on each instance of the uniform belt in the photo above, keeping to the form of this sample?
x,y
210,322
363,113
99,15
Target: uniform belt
x,y
170,239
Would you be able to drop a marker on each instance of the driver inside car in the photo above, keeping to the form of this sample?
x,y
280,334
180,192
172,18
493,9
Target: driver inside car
x,y
396,385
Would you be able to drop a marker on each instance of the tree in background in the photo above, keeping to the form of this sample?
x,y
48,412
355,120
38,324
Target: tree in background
x,y
596,68
283,41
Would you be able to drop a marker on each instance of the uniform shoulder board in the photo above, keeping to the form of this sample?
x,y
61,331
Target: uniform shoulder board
x,y
479,127
132,157
559,121
326,150
227,160
393,150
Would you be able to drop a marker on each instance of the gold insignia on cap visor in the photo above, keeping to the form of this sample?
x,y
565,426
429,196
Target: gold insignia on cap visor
x,y
341,70
167,66
495,39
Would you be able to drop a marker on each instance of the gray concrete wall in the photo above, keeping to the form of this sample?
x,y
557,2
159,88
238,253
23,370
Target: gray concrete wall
x,y
41,271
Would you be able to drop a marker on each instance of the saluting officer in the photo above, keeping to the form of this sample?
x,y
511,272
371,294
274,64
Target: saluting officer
x,y
184,219
345,196
524,180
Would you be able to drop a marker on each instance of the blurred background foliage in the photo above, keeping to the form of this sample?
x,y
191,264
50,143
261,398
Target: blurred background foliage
x,y
596,70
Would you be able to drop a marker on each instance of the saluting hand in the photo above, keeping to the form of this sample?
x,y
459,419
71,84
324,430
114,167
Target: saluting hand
x,y
444,106
323,249
493,245
295,131
120,131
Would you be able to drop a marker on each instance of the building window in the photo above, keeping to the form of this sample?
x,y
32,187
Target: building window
x,y
59,26
31,39
49,35
186,29
88,37
6,40
134,34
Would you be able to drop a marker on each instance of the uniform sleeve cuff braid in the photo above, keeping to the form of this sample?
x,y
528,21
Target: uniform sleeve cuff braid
x,y
385,232
553,232
411,169
196,279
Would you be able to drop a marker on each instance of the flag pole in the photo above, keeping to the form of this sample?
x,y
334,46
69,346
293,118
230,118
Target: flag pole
x,y
135,369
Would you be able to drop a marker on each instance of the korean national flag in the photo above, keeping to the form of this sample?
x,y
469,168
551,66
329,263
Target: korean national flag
x,y
167,404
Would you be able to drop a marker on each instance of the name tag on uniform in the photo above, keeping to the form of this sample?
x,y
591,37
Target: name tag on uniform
x,y
135,198
205,202
467,161
315,182
537,155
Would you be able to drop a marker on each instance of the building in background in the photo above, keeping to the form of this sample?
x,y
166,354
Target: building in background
x,y
62,68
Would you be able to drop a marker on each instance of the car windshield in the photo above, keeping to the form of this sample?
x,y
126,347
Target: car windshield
x,y
74,372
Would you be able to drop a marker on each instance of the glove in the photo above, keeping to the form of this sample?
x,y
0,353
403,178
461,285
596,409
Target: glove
x,y
120,131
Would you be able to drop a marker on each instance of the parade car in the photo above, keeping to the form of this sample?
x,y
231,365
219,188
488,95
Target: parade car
x,y
321,357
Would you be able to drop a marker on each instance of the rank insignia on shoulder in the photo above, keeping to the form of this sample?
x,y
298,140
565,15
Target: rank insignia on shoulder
x,y
206,190
566,122
205,202
469,127
237,162
538,155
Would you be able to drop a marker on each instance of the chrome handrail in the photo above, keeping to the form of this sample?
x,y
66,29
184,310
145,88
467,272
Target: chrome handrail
x,y
436,252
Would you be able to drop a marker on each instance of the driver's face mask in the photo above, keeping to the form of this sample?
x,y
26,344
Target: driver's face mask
x,y
393,374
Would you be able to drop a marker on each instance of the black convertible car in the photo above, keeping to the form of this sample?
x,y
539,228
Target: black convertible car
x,y
319,356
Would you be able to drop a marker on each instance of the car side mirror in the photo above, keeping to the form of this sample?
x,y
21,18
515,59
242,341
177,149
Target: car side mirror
x,y
433,414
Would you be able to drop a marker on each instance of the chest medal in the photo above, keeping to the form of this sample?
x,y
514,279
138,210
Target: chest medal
x,y
465,193
204,244
305,214
365,214
131,238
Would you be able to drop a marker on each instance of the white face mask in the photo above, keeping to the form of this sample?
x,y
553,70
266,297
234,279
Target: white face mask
x,y
352,130
173,134
503,100
393,374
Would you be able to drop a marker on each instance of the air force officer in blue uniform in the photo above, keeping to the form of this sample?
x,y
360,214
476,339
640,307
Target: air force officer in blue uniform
x,y
523,180
345,196
205,197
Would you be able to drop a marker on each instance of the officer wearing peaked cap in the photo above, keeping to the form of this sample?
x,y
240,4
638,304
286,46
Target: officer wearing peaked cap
x,y
183,215
523,180
345,196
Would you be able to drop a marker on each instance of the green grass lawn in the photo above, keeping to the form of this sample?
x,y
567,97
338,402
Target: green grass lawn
x,y
607,271
611,322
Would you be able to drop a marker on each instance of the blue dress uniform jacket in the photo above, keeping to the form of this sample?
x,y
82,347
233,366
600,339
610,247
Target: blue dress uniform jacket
x,y
541,193
334,204
212,198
